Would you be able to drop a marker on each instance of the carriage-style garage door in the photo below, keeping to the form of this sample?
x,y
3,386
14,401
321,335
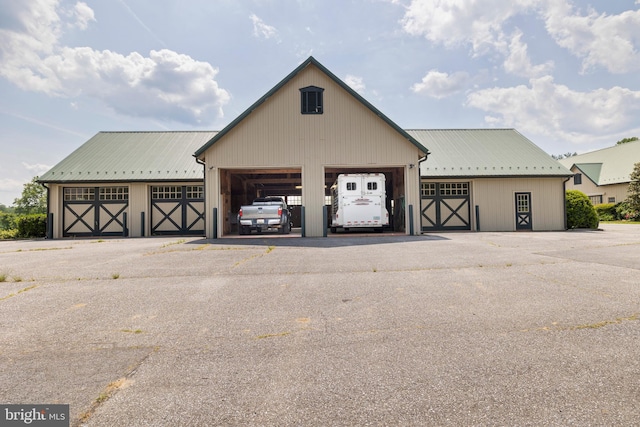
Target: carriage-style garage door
x,y
445,206
177,210
94,211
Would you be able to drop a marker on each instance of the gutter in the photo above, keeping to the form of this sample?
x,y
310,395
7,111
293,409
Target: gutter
x,y
49,223
564,202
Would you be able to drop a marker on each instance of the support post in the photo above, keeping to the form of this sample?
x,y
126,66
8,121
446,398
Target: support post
x,y
324,221
125,230
302,221
411,220
477,218
50,226
214,219
141,224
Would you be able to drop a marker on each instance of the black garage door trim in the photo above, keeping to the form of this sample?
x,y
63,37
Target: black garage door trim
x,y
445,206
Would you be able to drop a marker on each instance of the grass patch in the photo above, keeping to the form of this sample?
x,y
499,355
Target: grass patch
x,y
132,331
28,288
177,242
3,277
281,334
115,276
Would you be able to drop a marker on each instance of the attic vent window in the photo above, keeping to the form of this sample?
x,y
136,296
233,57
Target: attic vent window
x,y
311,100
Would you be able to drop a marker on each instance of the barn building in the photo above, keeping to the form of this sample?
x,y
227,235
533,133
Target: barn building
x,y
604,175
293,142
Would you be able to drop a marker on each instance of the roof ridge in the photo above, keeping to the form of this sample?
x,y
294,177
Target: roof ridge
x,y
457,129
157,131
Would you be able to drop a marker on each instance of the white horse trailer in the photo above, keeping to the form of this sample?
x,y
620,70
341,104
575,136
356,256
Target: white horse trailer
x,y
358,200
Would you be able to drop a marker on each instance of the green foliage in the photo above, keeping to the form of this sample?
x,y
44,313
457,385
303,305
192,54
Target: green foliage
x,y
563,156
33,199
634,189
580,211
7,221
30,226
624,211
625,140
606,211
8,234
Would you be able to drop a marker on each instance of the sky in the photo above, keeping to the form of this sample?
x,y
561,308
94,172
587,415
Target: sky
x,y
565,74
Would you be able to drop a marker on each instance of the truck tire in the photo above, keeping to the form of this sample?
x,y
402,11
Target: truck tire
x,y
286,228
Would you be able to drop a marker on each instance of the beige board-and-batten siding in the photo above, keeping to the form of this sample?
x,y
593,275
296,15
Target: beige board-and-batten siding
x,y
619,192
495,198
139,201
277,135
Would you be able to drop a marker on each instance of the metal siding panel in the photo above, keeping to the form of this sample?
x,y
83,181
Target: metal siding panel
x,y
276,135
495,197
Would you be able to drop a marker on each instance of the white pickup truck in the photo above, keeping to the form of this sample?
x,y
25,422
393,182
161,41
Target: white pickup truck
x,y
265,213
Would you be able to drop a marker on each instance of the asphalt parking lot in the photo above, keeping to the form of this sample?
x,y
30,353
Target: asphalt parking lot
x,y
460,329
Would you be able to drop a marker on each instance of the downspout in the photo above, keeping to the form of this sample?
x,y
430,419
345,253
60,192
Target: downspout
x,y
564,202
49,216
420,161
204,189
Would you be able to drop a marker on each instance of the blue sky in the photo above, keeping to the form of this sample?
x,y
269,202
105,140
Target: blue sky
x,y
565,74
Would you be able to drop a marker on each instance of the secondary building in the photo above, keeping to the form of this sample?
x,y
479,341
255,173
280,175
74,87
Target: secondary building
x,y
293,142
604,175
489,180
128,184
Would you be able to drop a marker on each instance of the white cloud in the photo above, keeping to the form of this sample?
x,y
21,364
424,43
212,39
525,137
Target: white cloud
x,y
518,61
601,40
165,84
609,41
356,83
454,23
547,108
36,169
261,29
441,85
11,186
84,15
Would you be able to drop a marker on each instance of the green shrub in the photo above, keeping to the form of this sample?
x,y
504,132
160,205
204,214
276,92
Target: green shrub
x,y
580,211
7,221
624,211
606,211
29,226
8,234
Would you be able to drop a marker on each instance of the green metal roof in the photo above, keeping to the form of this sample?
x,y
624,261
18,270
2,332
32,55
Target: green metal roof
x,y
484,152
591,170
132,156
311,61
616,163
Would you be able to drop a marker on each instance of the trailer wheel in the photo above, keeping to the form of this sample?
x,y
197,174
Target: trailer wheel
x,y
334,229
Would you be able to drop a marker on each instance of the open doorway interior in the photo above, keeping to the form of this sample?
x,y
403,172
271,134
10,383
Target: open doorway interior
x,y
241,186
395,191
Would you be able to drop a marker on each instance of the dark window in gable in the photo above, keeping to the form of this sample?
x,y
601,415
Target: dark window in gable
x,y
577,179
311,100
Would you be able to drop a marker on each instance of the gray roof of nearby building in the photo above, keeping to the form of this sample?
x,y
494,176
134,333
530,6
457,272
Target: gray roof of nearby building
x,y
133,156
484,152
607,166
